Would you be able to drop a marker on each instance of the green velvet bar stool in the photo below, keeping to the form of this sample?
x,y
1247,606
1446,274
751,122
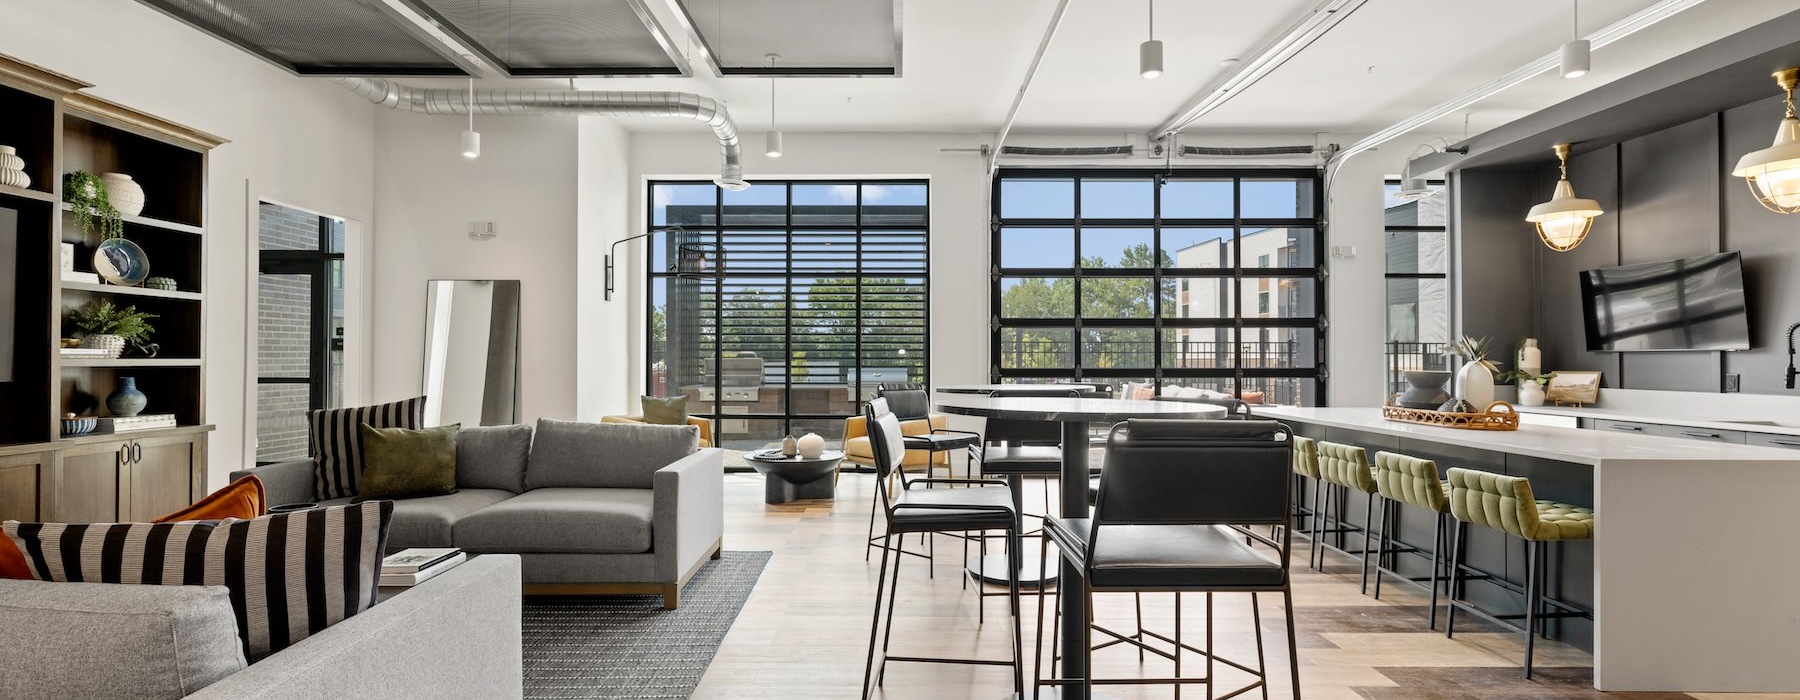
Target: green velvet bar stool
x,y
1407,480
1342,469
1306,466
1506,504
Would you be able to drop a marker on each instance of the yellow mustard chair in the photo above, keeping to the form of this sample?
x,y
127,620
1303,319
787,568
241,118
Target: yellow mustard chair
x,y
857,449
703,424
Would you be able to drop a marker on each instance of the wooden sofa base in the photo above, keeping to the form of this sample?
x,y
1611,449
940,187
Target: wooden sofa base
x,y
670,592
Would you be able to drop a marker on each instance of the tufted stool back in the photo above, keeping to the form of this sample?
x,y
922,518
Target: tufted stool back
x,y
1345,465
1410,480
1506,503
1306,457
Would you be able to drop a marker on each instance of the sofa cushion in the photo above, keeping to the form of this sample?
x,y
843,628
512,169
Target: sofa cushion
x,y
406,463
98,640
427,522
290,574
664,410
337,442
493,457
567,454
242,499
579,521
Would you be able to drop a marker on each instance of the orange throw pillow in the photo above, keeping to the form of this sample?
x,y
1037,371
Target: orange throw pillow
x,y
12,561
242,499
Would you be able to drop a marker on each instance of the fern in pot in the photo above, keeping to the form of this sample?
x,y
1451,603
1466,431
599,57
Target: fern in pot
x,y
106,326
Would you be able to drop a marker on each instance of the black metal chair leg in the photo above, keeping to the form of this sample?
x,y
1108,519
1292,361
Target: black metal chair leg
x,y
1287,601
1016,560
1455,586
1178,647
1533,589
1262,663
1437,565
1381,544
1368,531
887,634
1210,685
1037,650
875,622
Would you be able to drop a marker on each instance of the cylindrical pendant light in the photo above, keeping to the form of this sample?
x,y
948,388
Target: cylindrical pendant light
x,y
471,139
772,141
1577,53
1150,55
1773,173
1564,221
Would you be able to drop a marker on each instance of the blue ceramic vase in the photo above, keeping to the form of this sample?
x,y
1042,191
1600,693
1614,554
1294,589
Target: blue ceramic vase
x,y
126,401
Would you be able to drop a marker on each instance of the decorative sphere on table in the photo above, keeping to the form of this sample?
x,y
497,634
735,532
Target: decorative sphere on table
x,y
811,446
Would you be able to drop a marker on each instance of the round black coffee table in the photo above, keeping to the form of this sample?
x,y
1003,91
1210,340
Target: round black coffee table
x,y
787,479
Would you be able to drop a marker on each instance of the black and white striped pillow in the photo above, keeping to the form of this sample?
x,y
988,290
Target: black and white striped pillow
x,y
337,441
290,574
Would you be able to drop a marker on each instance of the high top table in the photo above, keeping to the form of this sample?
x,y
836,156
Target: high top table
x,y
1074,414
985,389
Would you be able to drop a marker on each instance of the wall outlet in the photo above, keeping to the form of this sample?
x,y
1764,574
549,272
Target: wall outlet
x,y
1732,382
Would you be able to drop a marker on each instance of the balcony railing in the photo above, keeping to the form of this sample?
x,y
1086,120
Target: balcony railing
x,y
1406,357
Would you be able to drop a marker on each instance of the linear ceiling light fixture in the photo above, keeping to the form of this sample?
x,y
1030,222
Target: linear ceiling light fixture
x,y
1641,20
471,139
1299,33
1564,221
1773,173
1150,63
1577,53
772,142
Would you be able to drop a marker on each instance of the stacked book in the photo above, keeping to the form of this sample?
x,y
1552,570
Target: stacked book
x,y
126,424
411,567
87,353
83,277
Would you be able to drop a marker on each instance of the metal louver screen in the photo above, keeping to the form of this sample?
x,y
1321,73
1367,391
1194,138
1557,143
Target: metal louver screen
x,y
336,37
560,37
823,296
859,37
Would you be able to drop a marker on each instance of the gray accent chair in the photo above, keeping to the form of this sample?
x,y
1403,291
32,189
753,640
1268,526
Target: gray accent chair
x,y
455,635
591,508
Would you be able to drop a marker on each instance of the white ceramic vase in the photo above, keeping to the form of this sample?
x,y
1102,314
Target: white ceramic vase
x,y
1531,393
1475,384
810,445
12,168
124,193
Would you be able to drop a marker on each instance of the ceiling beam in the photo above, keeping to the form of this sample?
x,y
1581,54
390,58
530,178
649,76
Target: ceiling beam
x,y
1638,21
424,26
1298,33
696,43
1012,114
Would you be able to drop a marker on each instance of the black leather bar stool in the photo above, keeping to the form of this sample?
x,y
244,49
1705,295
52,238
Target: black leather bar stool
x,y
1176,499
929,511
914,404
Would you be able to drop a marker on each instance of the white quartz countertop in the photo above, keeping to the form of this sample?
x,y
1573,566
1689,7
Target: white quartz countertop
x,y
1708,423
1576,445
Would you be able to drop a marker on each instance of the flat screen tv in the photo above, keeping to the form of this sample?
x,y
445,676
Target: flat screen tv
x,y
1692,303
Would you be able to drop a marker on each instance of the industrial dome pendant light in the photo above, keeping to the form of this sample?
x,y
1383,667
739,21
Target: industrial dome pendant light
x,y
471,139
772,141
1577,53
1150,63
1773,173
1564,221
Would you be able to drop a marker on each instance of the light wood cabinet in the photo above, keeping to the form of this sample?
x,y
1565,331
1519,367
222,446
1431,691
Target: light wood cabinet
x,y
163,475
120,478
23,478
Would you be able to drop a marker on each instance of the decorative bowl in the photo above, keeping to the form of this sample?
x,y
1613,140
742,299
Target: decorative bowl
x,y
73,427
1426,389
121,262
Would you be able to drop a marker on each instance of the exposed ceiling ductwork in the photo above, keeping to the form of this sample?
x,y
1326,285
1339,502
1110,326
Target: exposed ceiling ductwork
x,y
682,105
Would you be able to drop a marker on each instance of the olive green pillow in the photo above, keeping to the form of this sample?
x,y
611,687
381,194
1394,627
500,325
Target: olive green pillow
x,y
402,463
669,411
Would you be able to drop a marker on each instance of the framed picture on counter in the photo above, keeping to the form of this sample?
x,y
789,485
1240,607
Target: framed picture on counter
x,y
1578,387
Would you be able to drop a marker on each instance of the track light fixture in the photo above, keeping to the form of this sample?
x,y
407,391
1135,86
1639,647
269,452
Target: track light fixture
x,y
1150,57
471,139
1577,54
772,141
1773,173
1564,221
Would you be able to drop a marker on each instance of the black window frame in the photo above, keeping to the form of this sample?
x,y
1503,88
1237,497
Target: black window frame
x,y
720,224
1429,355
317,265
1238,273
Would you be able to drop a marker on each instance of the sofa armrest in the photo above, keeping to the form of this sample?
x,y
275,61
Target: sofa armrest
x,y
689,513
285,482
457,635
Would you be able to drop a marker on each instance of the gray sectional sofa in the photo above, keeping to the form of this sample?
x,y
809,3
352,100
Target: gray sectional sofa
x,y
590,508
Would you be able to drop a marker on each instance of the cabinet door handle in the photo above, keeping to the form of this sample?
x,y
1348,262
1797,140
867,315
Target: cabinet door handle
x,y
1632,428
125,454
1696,434
137,453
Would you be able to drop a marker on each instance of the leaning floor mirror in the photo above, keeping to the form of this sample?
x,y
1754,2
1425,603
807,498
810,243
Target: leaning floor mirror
x,y
472,352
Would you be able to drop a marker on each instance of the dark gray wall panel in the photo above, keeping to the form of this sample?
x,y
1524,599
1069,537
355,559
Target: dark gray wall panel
x,y
1669,208
1771,246
1595,175
1494,247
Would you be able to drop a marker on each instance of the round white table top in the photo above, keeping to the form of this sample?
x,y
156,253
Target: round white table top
x,y
1068,409
985,389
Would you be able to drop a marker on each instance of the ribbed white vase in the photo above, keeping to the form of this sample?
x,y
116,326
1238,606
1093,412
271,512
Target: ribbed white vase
x,y
124,193
12,168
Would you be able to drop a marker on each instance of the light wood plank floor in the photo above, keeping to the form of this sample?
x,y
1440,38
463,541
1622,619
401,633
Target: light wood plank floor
x,y
805,630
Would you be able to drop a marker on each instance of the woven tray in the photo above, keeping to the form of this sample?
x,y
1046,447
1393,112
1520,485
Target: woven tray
x,y
1498,415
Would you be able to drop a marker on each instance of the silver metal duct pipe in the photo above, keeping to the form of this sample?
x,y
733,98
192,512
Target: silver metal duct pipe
x,y
452,101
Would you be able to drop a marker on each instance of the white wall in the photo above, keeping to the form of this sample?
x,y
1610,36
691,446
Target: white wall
x,y
603,213
303,142
426,192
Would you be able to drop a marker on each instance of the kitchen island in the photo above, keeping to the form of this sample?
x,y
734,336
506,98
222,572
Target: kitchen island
x,y
1691,572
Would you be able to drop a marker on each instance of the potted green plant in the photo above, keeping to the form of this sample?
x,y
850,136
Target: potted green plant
x,y
104,325
1531,386
86,195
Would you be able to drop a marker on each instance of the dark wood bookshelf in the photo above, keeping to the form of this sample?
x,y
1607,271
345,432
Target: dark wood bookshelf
x,y
57,129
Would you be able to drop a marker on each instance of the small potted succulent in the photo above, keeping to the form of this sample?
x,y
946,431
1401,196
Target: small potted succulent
x,y
107,326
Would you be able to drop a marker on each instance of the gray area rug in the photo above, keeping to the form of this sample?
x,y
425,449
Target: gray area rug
x,y
628,646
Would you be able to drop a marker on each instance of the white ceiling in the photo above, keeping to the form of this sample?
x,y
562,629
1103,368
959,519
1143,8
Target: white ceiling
x,y
963,62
